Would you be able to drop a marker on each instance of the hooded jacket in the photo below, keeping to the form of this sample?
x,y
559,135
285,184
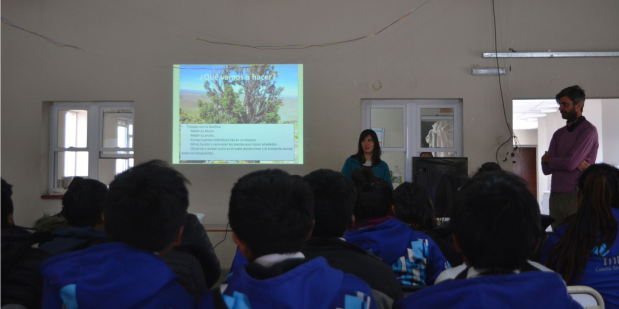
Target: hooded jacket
x,y
67,239
196,242
602,270
293,283
413,256
21,280
535,289
354,260
49,223
111,275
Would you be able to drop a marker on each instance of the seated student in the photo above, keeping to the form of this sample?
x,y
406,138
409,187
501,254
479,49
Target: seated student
x,y
82,206
50,223
585,248
22,283
413,206
495,222
271,216
413,256
144,214
448,187
194,260
189,272
196,242
334,200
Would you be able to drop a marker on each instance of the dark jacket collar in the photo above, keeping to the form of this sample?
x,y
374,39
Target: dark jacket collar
x,y
575,124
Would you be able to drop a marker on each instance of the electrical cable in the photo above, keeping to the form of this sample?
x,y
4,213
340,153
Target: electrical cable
x,y
298,46
225,234
58,44
496,51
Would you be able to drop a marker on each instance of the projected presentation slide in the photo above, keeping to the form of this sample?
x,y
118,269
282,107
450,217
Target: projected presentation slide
x,y
238,114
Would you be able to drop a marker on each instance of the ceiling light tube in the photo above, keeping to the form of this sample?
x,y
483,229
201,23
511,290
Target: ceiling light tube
x,y
551,54
488,71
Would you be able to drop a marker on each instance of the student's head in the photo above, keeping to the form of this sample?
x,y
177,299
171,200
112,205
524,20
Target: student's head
x,y
571,102
412,204
368,143
488,167
593,225
598,186
82,204
270,212
426,155
374,195
7,204
496,222
334,201
146,207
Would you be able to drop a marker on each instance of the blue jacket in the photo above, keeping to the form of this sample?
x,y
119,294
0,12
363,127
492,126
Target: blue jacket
x,y
311,284
534,289
381,170
602,270
413,256
111,275
67,239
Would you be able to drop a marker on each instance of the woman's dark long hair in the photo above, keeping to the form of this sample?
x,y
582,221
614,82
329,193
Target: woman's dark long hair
x,y
413,206
593,225
375,153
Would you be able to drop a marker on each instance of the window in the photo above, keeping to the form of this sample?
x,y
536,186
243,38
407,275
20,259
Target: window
x,y
89,139
406,128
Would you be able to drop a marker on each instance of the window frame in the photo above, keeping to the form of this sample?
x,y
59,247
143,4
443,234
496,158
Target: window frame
x,y
94,137
412,125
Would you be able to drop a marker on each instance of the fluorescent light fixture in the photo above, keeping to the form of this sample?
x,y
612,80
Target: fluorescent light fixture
x,y
532,115
488,71
551,54
532,119
551,110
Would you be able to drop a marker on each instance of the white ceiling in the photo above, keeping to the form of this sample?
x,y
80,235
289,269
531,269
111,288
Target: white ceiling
x,y
526,112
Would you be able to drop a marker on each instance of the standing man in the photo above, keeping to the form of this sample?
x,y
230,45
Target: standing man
x,y
572,149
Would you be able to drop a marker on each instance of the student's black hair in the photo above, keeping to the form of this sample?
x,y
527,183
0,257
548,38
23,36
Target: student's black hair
x,y
271,212
334,200
488,167
575,93
496,222
82,204
7,201
594,224
374,195
146,206
360,156
413,206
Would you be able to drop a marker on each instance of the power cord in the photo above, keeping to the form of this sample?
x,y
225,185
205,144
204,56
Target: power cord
x,y
496,55
225,234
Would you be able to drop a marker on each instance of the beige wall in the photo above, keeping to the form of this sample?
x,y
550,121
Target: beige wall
x,y
526,137
610,110
129,48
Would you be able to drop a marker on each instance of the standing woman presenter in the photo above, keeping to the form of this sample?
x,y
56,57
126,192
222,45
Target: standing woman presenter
x,y
367,156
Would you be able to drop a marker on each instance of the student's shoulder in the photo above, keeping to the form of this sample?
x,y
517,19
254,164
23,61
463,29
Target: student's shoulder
x,y
356,293
350,281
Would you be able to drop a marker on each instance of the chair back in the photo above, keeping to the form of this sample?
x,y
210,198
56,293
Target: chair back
x,y
586,296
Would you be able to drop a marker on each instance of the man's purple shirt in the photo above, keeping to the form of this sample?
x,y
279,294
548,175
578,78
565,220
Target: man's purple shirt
x,y
567,150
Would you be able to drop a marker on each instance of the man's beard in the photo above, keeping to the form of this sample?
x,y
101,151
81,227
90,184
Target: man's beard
x,y
569,116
